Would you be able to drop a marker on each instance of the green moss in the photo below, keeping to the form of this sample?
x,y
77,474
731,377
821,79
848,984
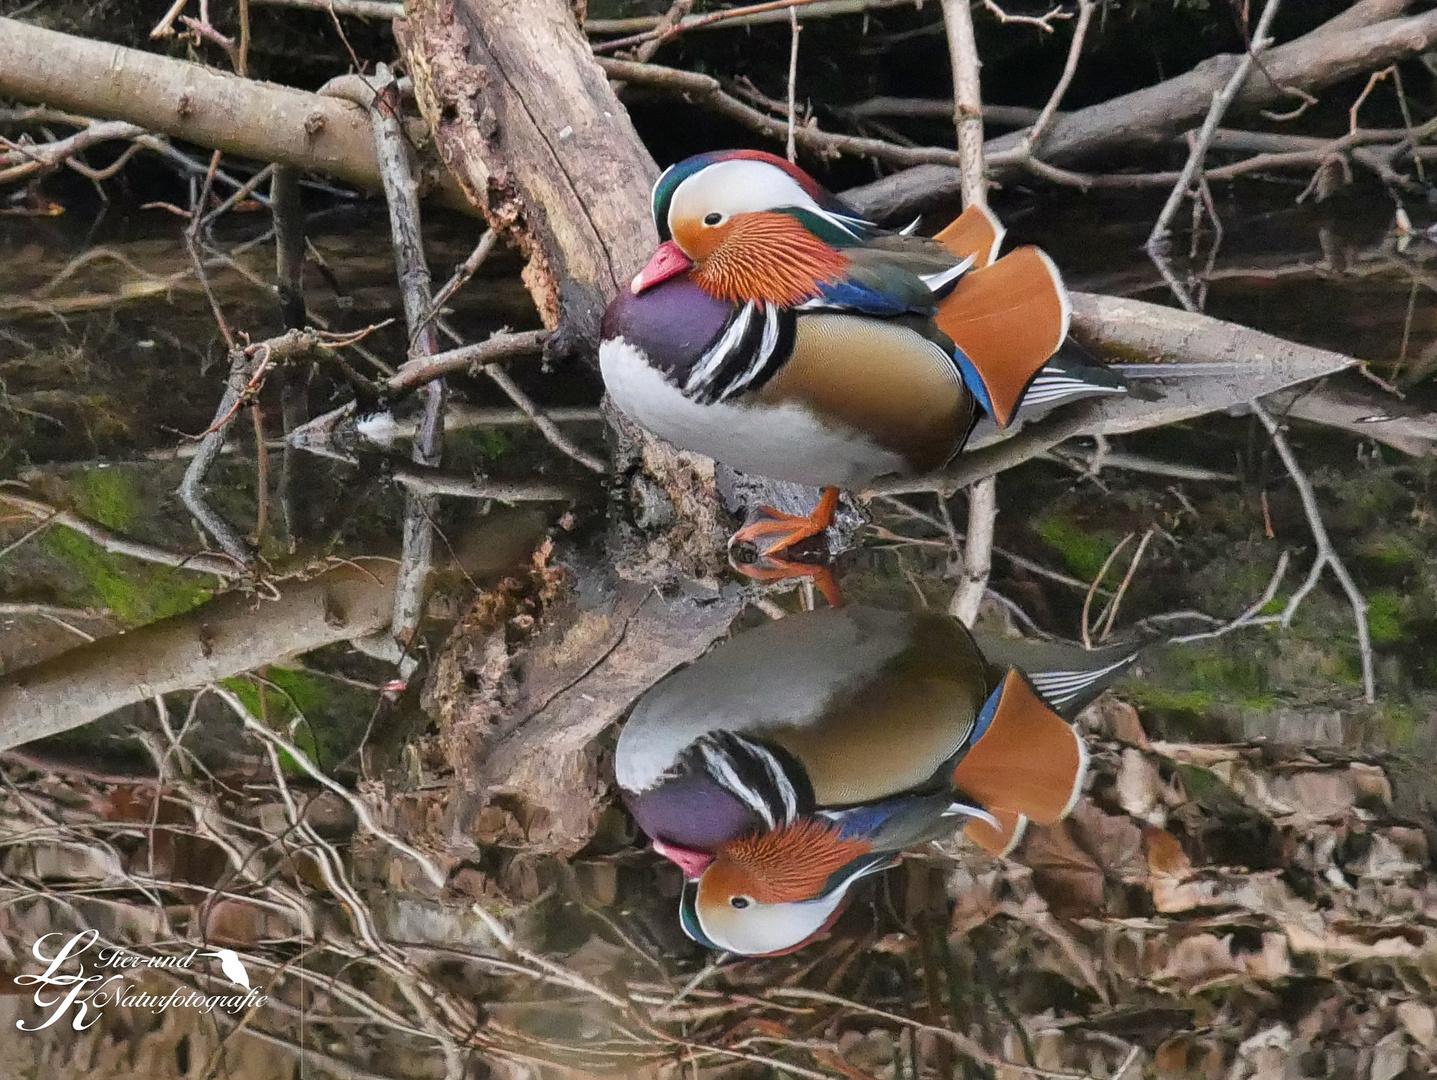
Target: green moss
x,y
1084,552
324,719
137,593
1147,695
111,497
1207,790
1399,725
276,711
1391,552
1386,616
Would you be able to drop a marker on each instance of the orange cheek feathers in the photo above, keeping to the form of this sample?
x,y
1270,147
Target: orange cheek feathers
x,y
698,240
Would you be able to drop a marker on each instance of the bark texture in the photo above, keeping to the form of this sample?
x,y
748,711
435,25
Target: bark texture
x,y
226,636
1238,364
526,119
527,122
534,676
256,120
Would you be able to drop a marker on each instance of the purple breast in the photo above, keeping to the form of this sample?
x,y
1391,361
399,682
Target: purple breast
x,y
691,811
673,323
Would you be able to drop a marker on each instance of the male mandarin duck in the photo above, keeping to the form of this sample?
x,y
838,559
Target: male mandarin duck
x,y
800,756
780,333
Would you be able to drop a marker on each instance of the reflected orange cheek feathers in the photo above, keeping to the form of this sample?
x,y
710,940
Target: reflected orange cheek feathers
x,y
722,880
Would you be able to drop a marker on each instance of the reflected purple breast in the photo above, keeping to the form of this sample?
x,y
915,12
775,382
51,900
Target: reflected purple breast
x,y
691,811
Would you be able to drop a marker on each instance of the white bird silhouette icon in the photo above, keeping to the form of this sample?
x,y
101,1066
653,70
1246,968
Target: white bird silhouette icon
x,y
231,966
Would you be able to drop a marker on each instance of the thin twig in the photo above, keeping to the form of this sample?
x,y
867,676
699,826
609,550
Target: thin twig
x,y
1220,103
968,119
1034,135
706,91
1093,588
1252,616
568,977
537,416
361,809
663,33
462,273
401,192
1043,22
471,358
1326,554
1127,580
794,29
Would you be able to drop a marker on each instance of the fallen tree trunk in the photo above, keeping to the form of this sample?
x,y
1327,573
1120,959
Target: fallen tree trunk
x,y
1225,365
224,637
256,120
529,125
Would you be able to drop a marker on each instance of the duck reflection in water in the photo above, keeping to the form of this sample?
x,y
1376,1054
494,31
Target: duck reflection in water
x,y
803,755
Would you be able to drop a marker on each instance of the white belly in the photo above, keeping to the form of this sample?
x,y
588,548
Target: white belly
x,y
785,442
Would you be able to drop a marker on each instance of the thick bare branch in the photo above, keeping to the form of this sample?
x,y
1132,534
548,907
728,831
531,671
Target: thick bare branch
x,y
1309,64
252,119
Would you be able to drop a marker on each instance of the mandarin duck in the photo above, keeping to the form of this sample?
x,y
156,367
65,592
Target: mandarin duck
x,y
800,756
780,333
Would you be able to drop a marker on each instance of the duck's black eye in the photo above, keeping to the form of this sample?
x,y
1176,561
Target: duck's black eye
x,y
740,902
712,219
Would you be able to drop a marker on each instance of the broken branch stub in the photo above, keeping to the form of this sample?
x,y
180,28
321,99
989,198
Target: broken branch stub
x,y
527,122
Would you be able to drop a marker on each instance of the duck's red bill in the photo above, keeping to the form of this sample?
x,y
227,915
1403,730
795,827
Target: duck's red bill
x,y
668,261
692,863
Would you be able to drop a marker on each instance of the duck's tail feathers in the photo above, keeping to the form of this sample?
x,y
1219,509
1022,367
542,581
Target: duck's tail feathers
x,y
1068,691
1065,675
1071,376
1000,839
1024,758
1006,321
977,232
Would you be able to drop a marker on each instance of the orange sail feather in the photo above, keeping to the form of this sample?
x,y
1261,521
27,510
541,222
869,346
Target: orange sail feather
x,y
1030,761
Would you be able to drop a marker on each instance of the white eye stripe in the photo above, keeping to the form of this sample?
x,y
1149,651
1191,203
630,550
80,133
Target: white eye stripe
x,y
742,186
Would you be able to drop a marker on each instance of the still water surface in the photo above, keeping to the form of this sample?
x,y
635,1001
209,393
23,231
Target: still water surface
x,y
1247,884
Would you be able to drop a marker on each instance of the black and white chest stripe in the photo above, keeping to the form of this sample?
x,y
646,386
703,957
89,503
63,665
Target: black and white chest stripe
x,y
769,783
754,343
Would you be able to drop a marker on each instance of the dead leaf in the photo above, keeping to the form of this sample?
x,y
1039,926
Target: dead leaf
x,y
1263,1056
1419,1022
1114,719
1065,875
1199,960
831,1060
1165,855
1139,787
1272,962
1389,1057
1383,861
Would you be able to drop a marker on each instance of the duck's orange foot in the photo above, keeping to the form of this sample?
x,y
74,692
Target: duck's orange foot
x,y
774,531
771,569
